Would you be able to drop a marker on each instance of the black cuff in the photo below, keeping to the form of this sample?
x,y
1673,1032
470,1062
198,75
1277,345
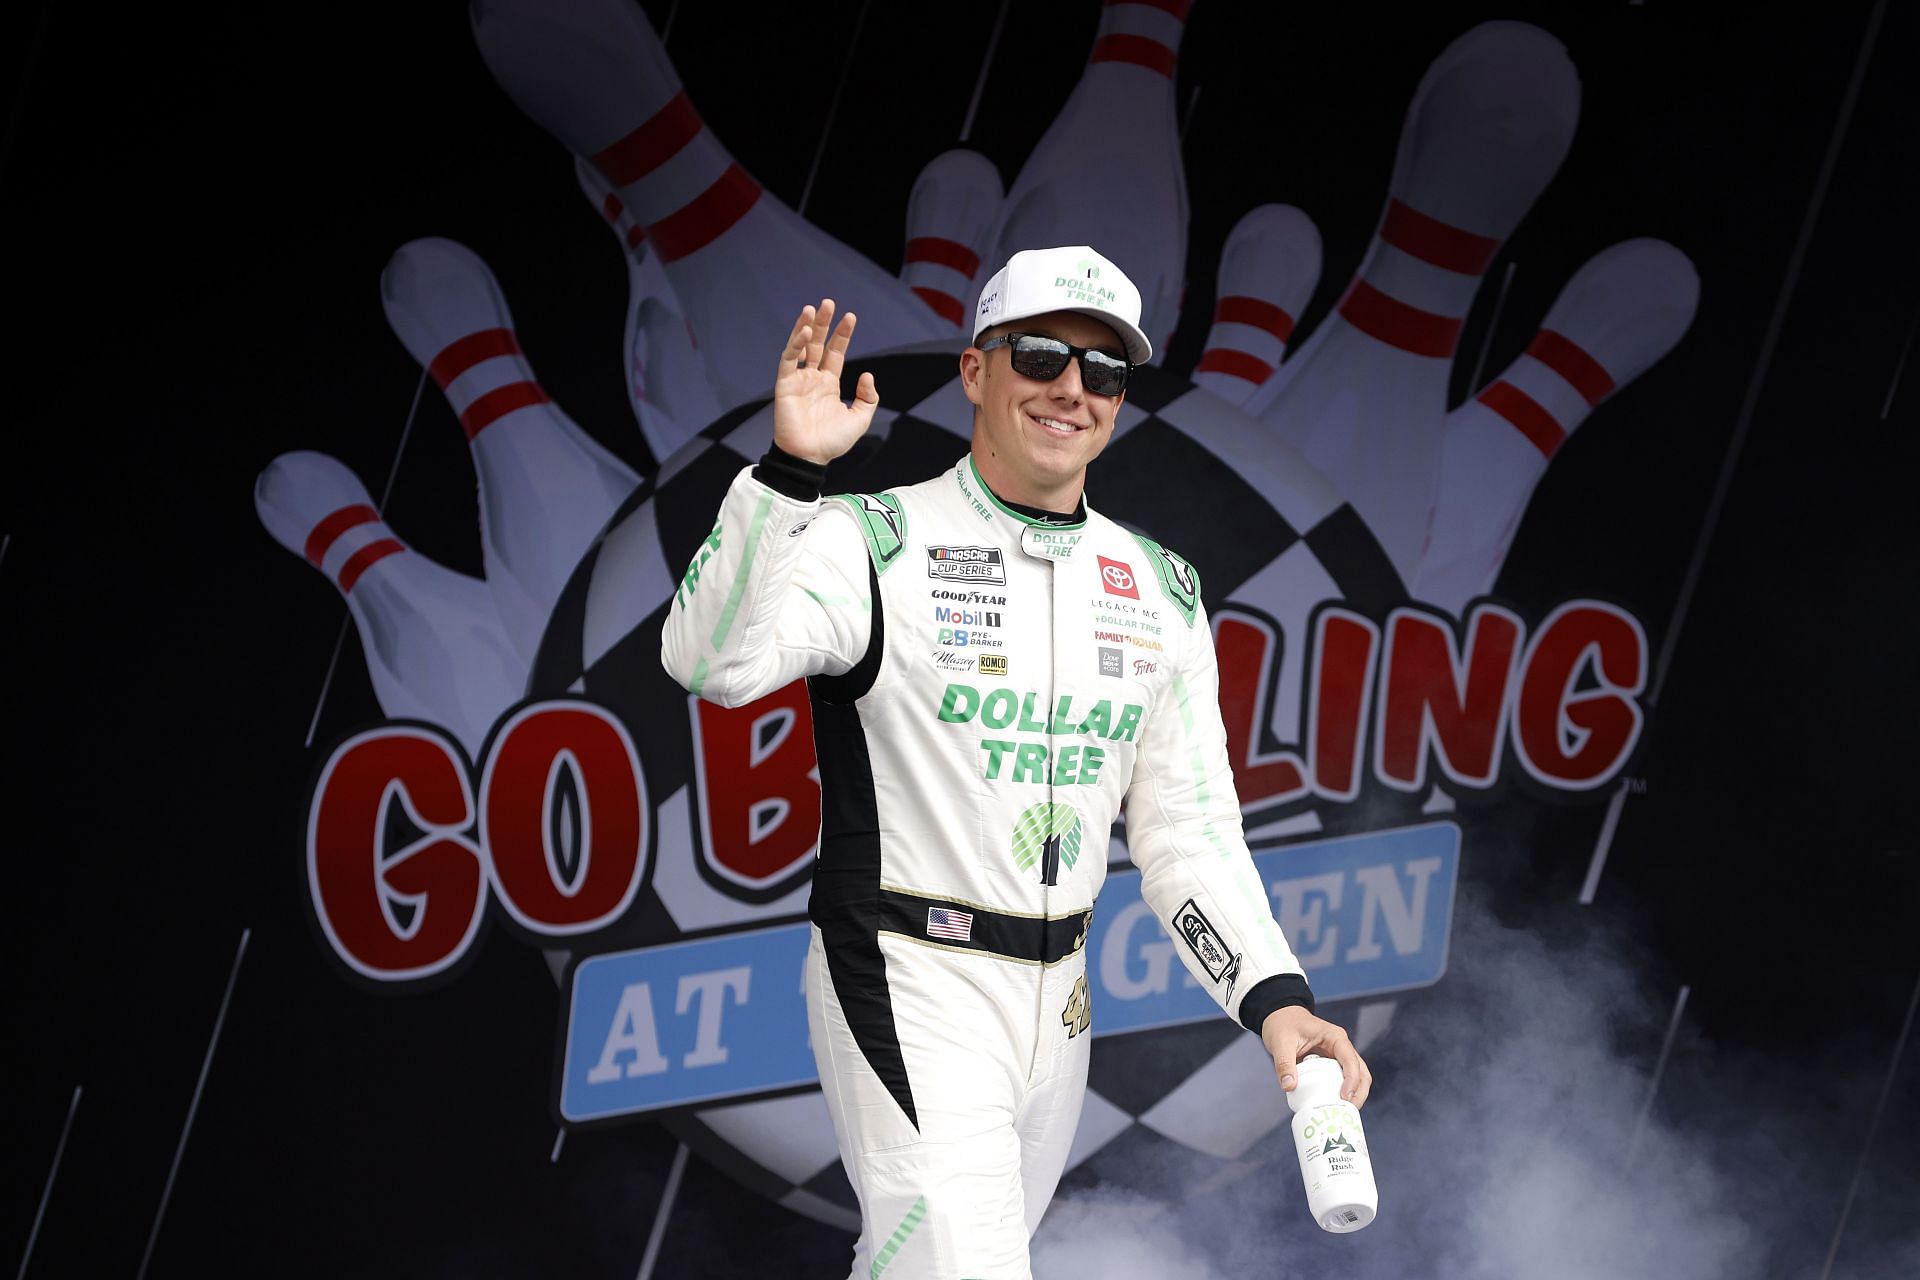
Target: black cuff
x,y
792,477
1277,992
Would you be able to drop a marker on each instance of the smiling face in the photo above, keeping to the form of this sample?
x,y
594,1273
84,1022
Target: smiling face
x,y
1032,440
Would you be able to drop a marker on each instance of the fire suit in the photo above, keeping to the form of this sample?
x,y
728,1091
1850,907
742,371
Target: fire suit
x,y
988,684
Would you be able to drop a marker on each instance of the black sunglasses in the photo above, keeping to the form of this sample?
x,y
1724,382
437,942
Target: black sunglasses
x,y
1044,359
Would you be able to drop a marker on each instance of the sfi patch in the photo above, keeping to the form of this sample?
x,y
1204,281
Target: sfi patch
x,y
1206,943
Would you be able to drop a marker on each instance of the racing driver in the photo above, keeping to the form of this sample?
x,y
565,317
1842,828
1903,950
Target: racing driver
x,y
993,668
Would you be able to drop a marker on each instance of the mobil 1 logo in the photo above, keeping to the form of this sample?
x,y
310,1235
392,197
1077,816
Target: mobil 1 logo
x,y
966,564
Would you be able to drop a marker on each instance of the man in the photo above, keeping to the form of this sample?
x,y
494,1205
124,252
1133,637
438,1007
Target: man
x,y
993,669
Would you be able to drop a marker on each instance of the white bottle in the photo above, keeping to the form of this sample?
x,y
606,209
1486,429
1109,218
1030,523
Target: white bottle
x,y
1334,1162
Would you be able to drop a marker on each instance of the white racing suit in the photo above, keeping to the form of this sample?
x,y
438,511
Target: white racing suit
x,y
987,688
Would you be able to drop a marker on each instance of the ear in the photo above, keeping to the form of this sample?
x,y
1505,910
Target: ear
x,y
973,367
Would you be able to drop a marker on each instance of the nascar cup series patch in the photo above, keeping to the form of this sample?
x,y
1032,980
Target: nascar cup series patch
x,y
966,564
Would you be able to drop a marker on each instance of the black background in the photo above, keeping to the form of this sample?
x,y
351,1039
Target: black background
x,y
196,206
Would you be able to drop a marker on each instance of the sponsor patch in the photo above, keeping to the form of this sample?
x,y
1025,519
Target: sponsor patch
x,y
1206,943
1109,662
993,664
966,617
798,529
1127,637
1141,667
948,661
1125,621
966,564
1049,544
961,638
1117,577
969,597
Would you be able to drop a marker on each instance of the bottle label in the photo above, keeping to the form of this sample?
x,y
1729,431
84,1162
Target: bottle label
x,y
1332,1144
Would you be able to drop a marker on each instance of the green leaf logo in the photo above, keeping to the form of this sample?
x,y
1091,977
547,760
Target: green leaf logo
x,y
1047,834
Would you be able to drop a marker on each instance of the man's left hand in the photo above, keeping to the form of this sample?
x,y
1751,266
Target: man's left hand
x,y
1291,1033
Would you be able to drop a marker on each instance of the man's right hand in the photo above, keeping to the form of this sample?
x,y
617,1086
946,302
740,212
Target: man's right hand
x,y
809,419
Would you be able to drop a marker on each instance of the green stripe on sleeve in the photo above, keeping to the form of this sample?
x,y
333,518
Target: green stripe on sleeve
x,y
746,567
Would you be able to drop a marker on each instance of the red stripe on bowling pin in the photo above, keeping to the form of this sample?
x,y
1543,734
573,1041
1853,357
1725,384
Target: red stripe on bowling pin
x,y
1140,51
707,217
1529,417
1137,49
658,139
498,403
944,253
1542,430
631,233
1431,240
1256,312
944,305
1382,316
1564,356
361,560
1400,324
1237,364
701,220
462,354
940,252
489,407
1268,266
328,531
951,212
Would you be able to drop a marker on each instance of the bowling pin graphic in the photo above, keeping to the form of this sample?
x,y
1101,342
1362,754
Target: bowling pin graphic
x,y
434,645
1107,172
950,215
666,382
1268,268
546,487
593,74
1622,311
1365,396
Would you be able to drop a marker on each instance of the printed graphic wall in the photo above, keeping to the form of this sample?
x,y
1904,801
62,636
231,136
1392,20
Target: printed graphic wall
x,y
1530,396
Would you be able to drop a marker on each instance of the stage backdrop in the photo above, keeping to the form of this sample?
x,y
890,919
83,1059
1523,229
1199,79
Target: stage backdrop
x,y
1466,328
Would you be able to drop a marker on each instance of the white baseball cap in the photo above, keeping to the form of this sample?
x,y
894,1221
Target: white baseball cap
x,y
1072,277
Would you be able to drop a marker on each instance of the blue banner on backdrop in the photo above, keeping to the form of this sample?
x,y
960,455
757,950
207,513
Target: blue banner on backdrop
x,y
724,1017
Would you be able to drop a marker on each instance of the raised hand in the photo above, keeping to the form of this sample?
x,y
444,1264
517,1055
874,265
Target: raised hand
x,y
809,419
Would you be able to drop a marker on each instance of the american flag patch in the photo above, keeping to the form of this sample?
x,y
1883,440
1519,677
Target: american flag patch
x,y
942,923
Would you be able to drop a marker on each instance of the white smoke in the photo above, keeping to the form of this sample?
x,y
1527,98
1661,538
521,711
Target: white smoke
x,y
1115,1234
1504,1106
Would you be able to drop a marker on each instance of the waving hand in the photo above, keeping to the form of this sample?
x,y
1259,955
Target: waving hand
x,y
809,419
